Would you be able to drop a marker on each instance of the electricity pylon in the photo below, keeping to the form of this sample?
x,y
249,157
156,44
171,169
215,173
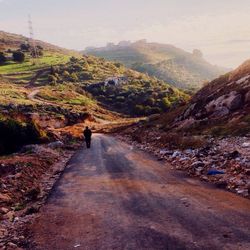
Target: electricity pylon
x,y
32,42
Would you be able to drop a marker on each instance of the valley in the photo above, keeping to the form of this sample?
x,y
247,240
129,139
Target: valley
x,y
165,129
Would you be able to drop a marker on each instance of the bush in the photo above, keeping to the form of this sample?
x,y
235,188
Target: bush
x,y
52,79
74,77
3,58
166,103
18,56
25,47
14,134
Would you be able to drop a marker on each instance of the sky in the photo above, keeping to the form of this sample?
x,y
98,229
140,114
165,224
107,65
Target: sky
x,y
219,28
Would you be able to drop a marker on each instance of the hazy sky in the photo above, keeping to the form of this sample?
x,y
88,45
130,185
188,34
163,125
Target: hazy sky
x,y
220,28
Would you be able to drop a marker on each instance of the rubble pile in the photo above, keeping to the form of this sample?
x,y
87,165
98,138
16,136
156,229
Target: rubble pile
x,y
225,161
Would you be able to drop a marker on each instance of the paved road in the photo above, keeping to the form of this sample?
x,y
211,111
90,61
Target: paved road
x,y
115,197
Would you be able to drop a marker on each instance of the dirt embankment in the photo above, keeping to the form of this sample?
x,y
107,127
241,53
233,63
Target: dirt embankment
x,y
25,181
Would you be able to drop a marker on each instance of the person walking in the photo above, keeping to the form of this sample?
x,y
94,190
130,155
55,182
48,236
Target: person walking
x,y
87,135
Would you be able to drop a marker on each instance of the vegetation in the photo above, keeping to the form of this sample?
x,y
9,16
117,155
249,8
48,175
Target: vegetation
x,y
14,134
166,62
18,56
123,90
3,58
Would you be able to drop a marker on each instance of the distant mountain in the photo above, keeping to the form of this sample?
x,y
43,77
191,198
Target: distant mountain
x,y
173,65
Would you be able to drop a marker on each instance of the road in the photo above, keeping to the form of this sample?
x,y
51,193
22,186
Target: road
x,y
115,197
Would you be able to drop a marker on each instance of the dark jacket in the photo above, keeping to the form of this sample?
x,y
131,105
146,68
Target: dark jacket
x,y
87,134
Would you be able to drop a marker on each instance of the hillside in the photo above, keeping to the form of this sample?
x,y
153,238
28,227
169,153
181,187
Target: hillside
x,y
166,62
61,89
13,41
208,138
222,106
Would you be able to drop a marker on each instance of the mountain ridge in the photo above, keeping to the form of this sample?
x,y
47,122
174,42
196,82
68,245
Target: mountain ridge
x,y
167,62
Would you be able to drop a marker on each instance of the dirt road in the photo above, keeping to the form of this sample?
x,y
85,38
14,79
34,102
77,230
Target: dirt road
x,y
115,197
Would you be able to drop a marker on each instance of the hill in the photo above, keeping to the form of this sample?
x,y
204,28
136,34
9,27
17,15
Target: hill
x,y
14,41
61,89
166,62
209,137
222,106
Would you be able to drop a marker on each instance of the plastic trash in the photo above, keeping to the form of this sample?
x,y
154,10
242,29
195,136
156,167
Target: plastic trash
x,y
215,172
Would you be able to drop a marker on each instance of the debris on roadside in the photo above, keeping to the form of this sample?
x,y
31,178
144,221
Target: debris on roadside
x,y
222,161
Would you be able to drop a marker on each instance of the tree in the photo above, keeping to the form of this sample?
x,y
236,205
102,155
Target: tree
x,y
3,58
25,47
18,56
74,77
166,103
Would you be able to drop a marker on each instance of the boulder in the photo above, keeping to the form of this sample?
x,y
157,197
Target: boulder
x,y
247,97
198,164
246,145
4,198
234,101
56,144
224,104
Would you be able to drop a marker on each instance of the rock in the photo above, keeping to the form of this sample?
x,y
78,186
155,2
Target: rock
x,y
246,145
235,154
198,171
222,111
221,184
176,153
234,101
243,192
247,171
5,198
33,193
198,164
184,159
12,245
247,97
224,104
56,144
30,149
4,210
163,152
10,216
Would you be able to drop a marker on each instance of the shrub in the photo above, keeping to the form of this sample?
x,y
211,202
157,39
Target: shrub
x,y
18,56
3,58
74,77
14,134
25,47
52,79
166,103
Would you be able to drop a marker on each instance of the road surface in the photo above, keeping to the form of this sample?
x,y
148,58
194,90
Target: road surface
x,y
116,197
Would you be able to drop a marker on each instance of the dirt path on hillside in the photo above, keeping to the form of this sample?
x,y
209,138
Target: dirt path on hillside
x,y
115,197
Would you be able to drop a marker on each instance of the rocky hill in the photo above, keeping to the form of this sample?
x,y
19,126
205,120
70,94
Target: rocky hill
x,y
223,106
208,138
166,62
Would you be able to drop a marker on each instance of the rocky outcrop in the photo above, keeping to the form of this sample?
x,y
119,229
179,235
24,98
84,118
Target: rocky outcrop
x,y
225,97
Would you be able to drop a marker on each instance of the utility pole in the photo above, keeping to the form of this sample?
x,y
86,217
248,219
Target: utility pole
x,y
32,41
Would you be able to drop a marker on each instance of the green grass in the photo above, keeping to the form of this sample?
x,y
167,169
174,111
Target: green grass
x,y
47,60
65,94
12,94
